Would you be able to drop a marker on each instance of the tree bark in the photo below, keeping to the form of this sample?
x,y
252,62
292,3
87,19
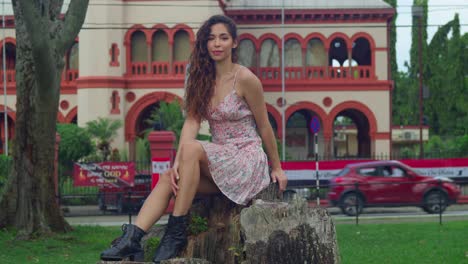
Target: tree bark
x,y
291,233
42,40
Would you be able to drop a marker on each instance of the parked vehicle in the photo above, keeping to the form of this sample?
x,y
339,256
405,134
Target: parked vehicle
x,y
124,199
389,183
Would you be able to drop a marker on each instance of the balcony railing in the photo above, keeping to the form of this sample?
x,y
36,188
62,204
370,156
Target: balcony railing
x,y
70,75
159,68
67,76
139,68
269,74
316,73
179,68
10,76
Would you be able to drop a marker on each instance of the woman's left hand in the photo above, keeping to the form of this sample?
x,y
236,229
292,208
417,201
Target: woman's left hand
x,y
277,175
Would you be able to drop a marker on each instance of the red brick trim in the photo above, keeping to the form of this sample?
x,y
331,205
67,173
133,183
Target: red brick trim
x,y
71,115
140,105
114,53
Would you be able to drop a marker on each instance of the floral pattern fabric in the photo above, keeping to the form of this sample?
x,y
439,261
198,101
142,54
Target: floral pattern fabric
x,y
236,160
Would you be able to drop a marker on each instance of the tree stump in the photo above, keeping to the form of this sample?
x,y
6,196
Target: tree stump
x,y
288,234
267,232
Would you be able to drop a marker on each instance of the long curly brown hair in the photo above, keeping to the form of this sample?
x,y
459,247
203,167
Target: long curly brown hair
x,y
202,72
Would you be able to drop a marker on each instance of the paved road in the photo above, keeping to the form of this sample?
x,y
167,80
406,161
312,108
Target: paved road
x,y
90,215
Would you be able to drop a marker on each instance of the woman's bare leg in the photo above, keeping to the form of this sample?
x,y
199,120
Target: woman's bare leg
x,y
155,204
194,177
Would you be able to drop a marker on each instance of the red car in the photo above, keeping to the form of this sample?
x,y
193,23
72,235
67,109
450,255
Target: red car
x,y
389,183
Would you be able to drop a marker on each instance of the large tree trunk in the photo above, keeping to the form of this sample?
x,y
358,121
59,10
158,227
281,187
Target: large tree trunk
x,y
42,40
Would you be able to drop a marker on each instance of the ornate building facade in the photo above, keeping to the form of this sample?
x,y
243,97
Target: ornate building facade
x,y
131,55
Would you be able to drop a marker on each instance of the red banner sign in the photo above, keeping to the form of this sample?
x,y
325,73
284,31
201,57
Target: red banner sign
x,y
104,174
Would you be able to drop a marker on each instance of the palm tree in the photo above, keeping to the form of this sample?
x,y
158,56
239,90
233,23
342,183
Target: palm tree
x,y
103,130
168,116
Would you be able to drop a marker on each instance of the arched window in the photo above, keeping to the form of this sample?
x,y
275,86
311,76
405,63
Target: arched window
x,y
338,51
70,72
362,51
246,53
293,59
160,47
181,46
139,51
292,53
160,53
269,54
73,58
269,60
10,56
181,52
10,62
338,54
316,55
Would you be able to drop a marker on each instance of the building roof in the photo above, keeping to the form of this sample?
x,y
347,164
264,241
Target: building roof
x,y
305,4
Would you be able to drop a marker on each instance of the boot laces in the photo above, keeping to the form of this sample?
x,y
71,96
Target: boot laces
x,y
118,239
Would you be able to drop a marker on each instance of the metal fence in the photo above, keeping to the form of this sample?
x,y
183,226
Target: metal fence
x,y
434,199
107,199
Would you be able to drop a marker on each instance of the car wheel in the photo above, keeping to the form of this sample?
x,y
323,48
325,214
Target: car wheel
x,y
101,202
351,204
435,202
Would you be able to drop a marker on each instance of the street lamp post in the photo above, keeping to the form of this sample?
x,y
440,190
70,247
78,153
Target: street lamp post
x,y
417,12
5,109
283,103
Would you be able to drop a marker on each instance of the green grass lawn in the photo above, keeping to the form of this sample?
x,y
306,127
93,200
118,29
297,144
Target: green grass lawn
x,y
367,243
404,243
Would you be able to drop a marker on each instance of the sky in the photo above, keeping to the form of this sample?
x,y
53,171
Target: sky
x,y
440,12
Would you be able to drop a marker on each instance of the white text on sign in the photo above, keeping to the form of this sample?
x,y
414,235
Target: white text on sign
x,y
160,166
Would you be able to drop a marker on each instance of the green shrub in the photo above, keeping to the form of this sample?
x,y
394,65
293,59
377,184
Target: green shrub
x,y
150,247
198,225
75,143
5,166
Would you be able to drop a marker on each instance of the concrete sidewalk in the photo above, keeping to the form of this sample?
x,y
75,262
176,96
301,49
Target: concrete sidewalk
x,y
107,220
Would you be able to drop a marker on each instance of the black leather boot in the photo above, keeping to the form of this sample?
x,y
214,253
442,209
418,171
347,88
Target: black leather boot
x,y
127,246
174,239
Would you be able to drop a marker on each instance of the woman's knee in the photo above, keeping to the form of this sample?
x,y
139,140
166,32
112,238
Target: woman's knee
x,y
191,150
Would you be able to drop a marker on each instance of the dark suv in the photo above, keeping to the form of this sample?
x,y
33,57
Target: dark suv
x,y
123,199
389,183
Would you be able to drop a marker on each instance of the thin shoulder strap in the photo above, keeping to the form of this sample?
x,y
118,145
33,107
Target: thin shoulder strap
x,y
235,77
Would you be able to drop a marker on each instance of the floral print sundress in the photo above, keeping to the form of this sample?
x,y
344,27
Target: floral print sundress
x,y
236,160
